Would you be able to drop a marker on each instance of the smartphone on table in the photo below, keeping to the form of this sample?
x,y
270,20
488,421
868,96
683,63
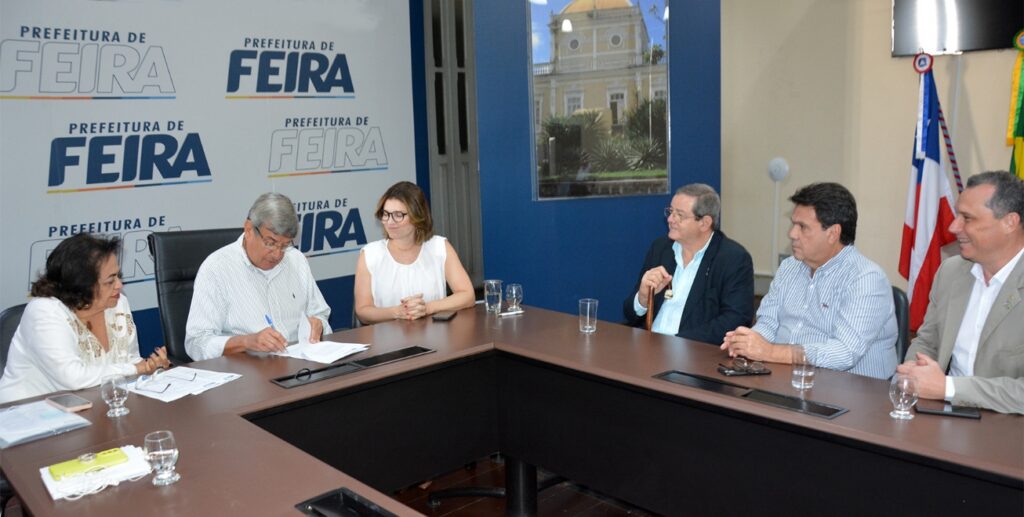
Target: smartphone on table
x,y
947,409
69,402
444,315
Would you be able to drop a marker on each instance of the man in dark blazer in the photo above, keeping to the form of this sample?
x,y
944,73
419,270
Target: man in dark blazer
x,y
703,281
970,348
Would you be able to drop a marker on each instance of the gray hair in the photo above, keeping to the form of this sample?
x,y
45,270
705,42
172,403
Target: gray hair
x,y
706,202
276,213
1009,194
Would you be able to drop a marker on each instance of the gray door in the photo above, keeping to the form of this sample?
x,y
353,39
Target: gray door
x,y
451,116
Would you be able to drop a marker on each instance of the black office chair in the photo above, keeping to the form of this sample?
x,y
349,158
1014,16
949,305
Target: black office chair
x,y
899,298
176,259
9,320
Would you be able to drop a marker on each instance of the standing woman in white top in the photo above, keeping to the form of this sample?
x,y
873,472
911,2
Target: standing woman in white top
x,y
404,275
78,328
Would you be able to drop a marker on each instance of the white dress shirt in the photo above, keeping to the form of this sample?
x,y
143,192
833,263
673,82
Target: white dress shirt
x,y
983,296
52,350
232,297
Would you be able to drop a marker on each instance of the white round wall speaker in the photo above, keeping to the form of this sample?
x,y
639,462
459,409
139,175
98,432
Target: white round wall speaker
x,y
778,169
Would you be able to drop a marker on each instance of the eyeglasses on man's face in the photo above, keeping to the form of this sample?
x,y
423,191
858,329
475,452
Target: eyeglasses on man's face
x,y
679,215
270,244
395,216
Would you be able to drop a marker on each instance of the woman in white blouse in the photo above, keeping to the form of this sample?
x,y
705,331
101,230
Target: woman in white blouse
x,y
404,276
78,327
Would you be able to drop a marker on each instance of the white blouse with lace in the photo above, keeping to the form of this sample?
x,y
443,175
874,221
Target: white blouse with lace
x,y
53,350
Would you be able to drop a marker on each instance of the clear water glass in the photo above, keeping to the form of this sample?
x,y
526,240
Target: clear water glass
x,y
514,295
903,394
492,295
803,370
588,315
162,454
114,391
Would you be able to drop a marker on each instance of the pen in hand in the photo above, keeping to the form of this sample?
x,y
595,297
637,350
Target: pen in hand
x,y
276,347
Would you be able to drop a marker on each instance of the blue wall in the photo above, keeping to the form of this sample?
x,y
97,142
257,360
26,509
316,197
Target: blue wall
x,y
419,96
565,250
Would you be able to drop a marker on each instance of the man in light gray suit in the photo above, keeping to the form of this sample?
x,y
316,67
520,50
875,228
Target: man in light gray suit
x,y
970,348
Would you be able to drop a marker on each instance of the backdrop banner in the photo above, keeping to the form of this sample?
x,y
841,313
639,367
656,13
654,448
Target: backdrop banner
x,y
125,118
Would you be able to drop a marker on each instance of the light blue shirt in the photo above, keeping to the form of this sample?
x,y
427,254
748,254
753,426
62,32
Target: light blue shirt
x,y
671,313
843,315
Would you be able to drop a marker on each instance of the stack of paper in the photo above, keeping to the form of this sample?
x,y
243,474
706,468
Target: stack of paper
x,y
73,487
178,382
323,352
35,420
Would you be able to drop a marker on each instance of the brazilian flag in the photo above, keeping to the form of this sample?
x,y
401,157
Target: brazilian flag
x,y
1015,126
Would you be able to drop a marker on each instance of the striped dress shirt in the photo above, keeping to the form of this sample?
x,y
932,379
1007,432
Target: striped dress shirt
x,y
232,297
843,315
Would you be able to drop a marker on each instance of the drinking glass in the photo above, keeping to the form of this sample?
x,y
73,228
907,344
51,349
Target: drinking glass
x,y
803,371
588,315
903,394
492,295
514,294
162,454
115,392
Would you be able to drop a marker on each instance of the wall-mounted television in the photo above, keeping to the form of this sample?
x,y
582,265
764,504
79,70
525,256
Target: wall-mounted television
x,y
951,26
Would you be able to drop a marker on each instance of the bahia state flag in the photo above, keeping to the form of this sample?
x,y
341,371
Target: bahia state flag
x,y
929,206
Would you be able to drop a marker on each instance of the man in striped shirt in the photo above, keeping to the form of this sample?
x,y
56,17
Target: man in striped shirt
x,y
257,292
827,296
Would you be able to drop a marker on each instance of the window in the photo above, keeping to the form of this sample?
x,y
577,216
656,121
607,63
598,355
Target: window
x,y
617,105
600,98
573,103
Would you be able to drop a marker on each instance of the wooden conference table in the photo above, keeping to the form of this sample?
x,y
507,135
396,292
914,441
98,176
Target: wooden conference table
x,y
587,407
